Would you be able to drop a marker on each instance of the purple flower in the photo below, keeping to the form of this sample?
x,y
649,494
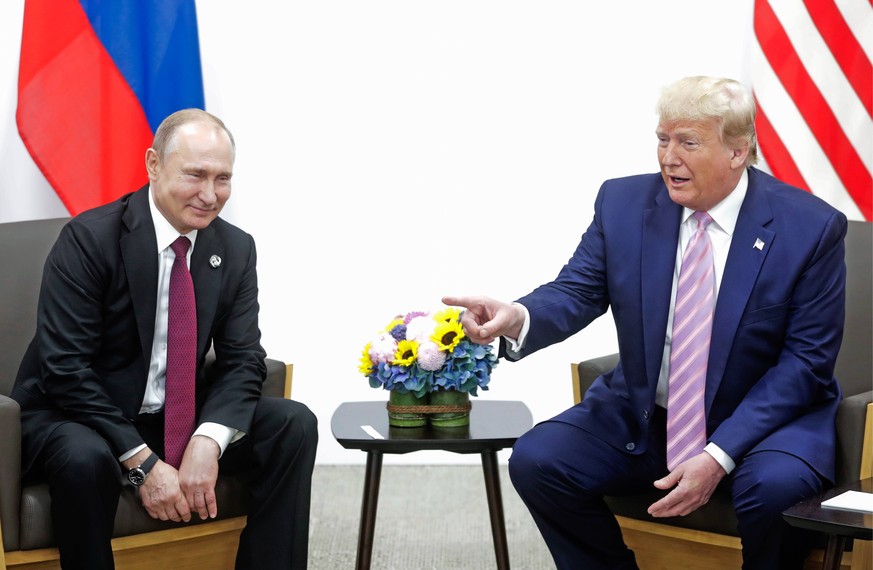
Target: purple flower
x,y
399,333
412,315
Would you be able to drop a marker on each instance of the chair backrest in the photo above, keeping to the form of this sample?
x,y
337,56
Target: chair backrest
x,y
854,368
23,249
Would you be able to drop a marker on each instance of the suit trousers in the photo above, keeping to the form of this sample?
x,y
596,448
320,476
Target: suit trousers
x,y
276,459
562,473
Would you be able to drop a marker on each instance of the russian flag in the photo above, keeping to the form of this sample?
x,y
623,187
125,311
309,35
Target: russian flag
x,y
96,79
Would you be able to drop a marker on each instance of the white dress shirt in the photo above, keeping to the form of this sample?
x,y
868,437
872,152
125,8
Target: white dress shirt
x,y
153,400
720,232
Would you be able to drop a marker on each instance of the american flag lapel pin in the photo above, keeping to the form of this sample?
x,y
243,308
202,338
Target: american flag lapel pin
x,y
759,245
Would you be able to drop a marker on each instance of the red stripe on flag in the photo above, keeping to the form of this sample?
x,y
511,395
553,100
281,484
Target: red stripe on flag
x,y
777,156
79,119
845,48
792,74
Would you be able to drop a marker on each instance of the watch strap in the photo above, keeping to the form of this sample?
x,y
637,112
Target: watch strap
x,y
149,463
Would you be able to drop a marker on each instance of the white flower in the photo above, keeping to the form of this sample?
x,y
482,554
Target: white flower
x,y
430,357
420,329
383,348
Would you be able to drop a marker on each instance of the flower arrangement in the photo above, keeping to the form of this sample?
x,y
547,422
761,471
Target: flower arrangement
x,y
422,352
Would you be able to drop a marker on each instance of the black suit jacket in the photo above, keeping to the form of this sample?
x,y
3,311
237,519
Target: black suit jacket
x,y
89,359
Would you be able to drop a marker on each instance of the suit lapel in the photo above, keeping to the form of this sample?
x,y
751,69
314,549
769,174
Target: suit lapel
x,y
660,237
207,267
139,249
741,270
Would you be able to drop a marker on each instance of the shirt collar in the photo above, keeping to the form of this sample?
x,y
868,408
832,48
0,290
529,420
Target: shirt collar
x,y
726,212
165,233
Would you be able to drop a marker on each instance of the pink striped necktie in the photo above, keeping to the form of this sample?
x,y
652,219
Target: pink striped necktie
x,y
181,357
689,353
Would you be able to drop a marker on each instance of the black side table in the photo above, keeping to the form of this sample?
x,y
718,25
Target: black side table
x,y
838,524
494,425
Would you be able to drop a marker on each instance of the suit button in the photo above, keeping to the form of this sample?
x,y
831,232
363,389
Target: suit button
x,y
645,414
630,446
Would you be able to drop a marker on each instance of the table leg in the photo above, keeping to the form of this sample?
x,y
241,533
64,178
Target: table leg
x,y
834,552
368,509
495,508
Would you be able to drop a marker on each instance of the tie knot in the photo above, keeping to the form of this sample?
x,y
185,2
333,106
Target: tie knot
x,y
703,220
180,246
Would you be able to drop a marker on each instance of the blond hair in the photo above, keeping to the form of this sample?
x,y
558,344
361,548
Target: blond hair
x,y
728,101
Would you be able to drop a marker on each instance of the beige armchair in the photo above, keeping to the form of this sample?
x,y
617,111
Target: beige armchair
x,y
707,538
140,542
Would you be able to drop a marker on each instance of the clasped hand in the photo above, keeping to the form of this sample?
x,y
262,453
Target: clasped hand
x,y
170,494
694,480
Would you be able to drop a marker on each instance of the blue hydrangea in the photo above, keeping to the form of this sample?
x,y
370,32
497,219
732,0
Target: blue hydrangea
x,y
467,369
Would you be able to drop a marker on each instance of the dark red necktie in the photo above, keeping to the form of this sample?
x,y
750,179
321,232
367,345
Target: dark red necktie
x,y
181,357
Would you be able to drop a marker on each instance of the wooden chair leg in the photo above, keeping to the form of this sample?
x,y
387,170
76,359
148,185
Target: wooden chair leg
x,y
862,555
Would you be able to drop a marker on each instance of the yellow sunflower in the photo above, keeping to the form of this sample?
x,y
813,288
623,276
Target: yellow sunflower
x,y
447,335
448,315
407,352
366,366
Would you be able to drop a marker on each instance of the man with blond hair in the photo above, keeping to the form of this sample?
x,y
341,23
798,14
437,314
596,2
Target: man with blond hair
x,y
727,288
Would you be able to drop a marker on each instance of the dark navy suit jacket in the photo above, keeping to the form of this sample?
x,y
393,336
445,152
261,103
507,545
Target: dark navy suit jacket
x,y
89,359
777,326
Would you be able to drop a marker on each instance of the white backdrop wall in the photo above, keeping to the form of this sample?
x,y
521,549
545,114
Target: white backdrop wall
x,y
392,152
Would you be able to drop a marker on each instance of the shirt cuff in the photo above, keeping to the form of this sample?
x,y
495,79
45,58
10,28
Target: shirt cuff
x,y
131,453
723,458
222,435
516,345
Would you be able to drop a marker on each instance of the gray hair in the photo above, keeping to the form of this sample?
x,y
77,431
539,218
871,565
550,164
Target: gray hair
x,y
165,136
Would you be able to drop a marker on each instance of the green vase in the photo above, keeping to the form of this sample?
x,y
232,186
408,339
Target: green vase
x,y
457,417
398,417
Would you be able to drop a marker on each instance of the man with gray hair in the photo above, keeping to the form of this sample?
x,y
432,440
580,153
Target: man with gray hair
x,y
113,387
727,288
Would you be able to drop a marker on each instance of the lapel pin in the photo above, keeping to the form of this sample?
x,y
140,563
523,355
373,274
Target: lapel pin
x,y
215,261
759,245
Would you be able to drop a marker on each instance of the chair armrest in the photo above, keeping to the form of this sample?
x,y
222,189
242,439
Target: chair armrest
x,y
587,371
277,382
851,419
274,383
10,471
851,416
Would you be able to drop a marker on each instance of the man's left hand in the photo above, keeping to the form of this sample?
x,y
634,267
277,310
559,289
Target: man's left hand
x,y
694,480
198,474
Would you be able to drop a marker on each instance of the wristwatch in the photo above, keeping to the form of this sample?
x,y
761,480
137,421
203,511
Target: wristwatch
x,y
137,475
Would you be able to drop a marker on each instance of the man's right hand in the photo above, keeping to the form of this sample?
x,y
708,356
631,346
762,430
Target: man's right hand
x,y
485,319
162,496
198,475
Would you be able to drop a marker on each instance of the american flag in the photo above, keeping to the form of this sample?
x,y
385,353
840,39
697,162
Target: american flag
x,y
813,83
